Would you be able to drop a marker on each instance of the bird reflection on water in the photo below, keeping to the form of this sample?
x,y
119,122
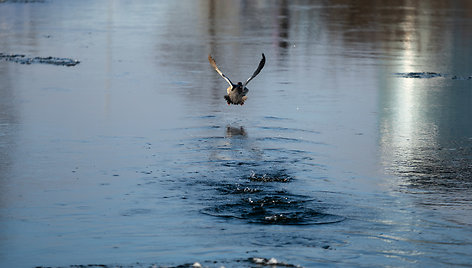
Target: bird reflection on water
x,y
235,132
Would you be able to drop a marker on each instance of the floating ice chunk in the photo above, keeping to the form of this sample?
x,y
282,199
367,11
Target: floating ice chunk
x,y
22,59
419,75
272,261
258,260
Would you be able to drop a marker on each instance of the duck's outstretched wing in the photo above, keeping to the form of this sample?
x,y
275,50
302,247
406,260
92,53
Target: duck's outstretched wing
x,y
258,70
213,64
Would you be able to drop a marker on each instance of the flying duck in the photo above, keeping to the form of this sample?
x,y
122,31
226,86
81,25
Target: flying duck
x,y
237,92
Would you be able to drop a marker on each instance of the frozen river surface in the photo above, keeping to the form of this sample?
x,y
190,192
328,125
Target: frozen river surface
x,y
354,147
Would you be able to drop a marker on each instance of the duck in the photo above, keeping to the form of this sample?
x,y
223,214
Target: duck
x,y
237,92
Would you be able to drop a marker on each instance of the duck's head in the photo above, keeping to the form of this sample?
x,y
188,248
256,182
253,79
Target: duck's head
x,y
239,87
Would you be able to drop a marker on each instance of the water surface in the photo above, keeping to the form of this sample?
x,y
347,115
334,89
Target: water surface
x,y
340,156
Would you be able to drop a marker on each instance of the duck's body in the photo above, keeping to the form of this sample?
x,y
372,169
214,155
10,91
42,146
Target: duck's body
x,y
237,92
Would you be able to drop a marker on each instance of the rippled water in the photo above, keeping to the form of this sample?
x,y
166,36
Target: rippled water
x,y
354,147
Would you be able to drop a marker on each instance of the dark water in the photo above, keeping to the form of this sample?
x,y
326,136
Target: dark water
x,y
354,147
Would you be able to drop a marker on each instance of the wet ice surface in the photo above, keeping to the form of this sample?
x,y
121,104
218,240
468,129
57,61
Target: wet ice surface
x,y
133,157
